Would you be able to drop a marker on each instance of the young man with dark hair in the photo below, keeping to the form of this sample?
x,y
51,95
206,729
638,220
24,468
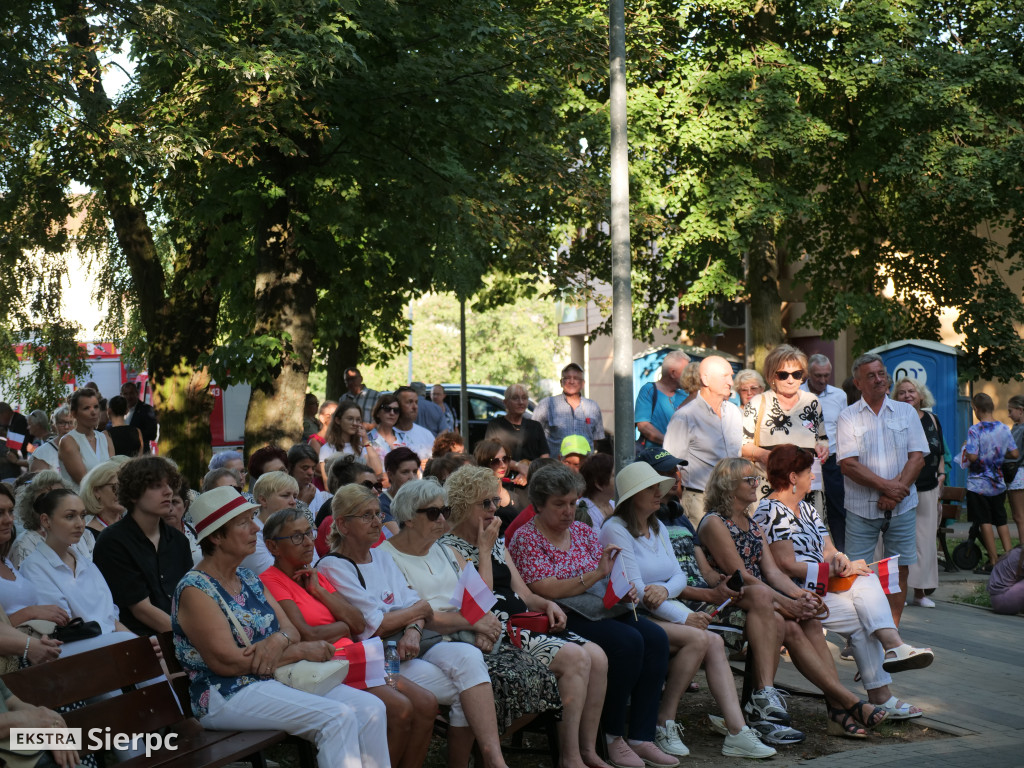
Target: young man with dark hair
x,y
140,556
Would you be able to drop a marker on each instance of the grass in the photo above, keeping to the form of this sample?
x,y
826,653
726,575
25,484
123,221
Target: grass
x,y
977,596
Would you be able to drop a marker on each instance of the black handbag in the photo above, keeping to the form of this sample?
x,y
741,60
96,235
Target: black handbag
x,y
77,629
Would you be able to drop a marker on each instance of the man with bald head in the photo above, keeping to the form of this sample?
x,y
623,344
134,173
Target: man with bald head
x,y
704,431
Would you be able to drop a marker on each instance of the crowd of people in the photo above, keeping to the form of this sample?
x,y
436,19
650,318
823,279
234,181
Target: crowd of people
x,y
358,533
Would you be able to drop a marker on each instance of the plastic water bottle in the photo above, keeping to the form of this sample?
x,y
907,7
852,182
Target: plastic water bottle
x,y
391,663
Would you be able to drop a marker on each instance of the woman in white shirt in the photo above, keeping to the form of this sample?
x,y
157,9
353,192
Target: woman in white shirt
x,y
650,565
63,577
347,435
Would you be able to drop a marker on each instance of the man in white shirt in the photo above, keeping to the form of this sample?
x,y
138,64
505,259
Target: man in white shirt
x,y
419,439
881,448
704,431
832,401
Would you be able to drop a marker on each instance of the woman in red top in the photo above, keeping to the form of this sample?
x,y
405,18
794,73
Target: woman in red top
x,y
319,612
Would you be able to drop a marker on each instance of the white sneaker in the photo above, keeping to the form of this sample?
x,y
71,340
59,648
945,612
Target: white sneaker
x,y
924,602
746,744
669,739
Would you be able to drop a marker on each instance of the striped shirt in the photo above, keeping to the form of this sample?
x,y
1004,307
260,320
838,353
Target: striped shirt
x,y
883,444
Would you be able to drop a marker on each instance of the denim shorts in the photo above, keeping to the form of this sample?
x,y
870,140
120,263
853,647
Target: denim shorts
x,y
901,538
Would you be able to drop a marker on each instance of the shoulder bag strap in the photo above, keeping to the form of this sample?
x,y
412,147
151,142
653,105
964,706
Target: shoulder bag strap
x,y
359,574
451,560
757,422
223,604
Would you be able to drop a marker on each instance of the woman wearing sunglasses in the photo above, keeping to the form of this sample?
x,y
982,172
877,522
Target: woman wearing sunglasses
x,y
580,666
522,685
319,612
785,414
455,672
491,453
385,415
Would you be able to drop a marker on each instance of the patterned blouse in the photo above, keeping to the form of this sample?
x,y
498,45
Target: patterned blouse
x,y
803,426
805,531
749,544
253,612
536,558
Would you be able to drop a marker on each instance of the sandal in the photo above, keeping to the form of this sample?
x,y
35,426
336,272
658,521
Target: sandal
x,y
876,714
906,657
843,722
900,710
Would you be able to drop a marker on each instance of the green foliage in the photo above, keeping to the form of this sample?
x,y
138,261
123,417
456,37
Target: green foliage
x,y
506,344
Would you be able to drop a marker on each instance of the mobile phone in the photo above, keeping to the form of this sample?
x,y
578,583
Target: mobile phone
x,y
735,582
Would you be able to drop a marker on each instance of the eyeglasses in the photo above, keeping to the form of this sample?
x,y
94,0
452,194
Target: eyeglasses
x,y
366,517
497,460
494,503
65,423
378,487
297,538
390,409
888,519
433,513
783,375
752,480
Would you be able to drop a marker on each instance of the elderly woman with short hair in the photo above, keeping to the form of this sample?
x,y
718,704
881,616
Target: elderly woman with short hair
x,y
273,491
747,384
784,414
320,612
523,686
455,672
46,456
924,574
99,494
231,681
562,560
579,666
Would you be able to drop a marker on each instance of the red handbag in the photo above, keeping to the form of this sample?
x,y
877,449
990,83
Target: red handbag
x,y
534,621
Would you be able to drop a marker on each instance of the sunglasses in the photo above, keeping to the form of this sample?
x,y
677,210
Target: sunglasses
x,y
378,486
494,503
783,375
888,519
390,409
297,538
497,461
433,513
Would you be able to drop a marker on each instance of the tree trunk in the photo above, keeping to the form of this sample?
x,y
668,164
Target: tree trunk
x,y
343,354
765,302
285,300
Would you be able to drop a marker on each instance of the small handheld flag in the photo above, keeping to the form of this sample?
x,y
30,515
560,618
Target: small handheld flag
x,y
889,574
15,441
618,587
817,578
472,596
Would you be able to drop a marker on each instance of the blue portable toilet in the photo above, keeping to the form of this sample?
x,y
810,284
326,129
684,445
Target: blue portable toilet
x,y
647,364
934,364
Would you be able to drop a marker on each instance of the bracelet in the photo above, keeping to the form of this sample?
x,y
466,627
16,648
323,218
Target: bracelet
x,y
286,637
24,656
417,627
582,581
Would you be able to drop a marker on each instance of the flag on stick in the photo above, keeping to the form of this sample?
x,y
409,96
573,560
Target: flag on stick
x,y
15,441
618,586
889,574
817,578
472,596
365,662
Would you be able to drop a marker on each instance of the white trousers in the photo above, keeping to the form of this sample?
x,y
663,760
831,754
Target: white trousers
x,y
857,614
924,574
349,727
446,670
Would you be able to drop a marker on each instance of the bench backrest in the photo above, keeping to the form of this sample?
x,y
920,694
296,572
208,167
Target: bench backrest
x,y
112,669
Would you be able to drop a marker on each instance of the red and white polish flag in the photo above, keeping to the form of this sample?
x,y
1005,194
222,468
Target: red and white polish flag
x,y
817,578
15,441
889,575
472,596
618,586
365,662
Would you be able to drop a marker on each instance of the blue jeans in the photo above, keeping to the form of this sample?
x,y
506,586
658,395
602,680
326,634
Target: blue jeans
x,y
637,651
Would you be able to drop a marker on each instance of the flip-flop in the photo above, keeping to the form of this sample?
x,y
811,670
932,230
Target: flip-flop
x,y
907,657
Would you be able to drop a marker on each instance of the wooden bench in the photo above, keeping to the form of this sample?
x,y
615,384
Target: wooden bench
x,y
152,709
952,500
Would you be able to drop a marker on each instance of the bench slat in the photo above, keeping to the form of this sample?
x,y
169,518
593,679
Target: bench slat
x,y
210,749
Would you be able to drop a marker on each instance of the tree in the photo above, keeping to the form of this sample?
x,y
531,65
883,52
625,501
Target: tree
x,y
837,141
